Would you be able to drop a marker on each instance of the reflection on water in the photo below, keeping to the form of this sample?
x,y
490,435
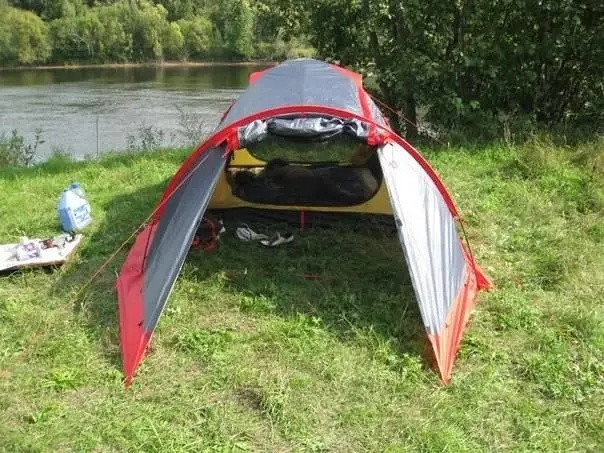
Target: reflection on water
x,y
67,103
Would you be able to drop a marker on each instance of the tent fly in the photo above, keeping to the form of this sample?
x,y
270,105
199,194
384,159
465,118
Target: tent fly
x,y
350,161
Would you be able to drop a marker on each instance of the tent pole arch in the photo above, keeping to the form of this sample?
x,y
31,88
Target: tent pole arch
x,y
446,280
228,136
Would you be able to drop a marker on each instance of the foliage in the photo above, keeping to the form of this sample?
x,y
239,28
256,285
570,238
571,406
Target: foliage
x,y
146,139
23,37
280,49
144,30
15,151
117,38
461,68
197,36
191,127
148,23
252,356
467,63
184,9
51,9
284,18
118,32
237,27
172,41
77,38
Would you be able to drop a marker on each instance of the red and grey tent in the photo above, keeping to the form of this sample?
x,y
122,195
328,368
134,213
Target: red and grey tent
x,y
300,99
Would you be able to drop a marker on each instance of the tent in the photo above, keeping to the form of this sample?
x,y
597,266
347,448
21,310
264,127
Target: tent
x,y
306,101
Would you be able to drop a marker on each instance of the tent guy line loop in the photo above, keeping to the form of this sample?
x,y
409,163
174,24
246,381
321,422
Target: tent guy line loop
x,y
144,223
407,120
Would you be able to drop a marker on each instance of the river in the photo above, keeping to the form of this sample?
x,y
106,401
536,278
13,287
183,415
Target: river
x,y
69,105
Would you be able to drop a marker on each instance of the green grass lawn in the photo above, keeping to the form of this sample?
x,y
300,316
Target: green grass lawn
x,y
250,355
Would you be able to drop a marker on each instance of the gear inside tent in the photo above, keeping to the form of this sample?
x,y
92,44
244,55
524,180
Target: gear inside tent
x,y
351,162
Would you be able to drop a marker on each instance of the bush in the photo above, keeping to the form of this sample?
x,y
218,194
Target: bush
x,y
146,139
117,32
14,151
116,36
77,38
191,127
172,41
239,28
198,37
281,49
24,37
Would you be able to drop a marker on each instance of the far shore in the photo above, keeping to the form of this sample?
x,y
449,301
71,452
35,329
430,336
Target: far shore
x,y
163,64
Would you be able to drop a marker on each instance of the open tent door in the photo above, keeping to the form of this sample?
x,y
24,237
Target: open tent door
x,y
155,260
444,278
301,95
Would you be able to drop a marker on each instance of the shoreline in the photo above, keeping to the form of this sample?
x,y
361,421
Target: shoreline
x,y
158,64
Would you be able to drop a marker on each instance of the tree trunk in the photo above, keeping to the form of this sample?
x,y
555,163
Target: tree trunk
x,y
373,39
410,112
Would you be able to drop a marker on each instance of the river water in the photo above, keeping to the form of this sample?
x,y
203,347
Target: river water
x,y
68,104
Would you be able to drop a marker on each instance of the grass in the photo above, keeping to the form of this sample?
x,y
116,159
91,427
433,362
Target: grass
x,y
250,355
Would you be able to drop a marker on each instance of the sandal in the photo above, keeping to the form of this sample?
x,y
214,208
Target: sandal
x,y
245,233
277,239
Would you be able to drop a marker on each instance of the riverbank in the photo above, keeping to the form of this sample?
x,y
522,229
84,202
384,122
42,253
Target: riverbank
x,y
249,355
158,64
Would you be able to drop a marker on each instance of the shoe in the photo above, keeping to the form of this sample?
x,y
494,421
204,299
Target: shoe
x,y
247,234
277,239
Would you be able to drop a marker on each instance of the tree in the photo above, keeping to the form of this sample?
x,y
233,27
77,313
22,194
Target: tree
x,y
234,21
116,36
172,41
5,34
548,56
467,62
23,37
287,18
148,24
198,37
51,9
78,38
184,9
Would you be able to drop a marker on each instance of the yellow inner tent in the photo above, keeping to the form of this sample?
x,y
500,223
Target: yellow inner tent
x,y
224,198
